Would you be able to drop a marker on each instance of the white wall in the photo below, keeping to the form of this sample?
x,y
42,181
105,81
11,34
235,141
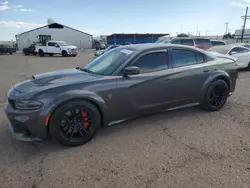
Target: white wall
x,y
81,40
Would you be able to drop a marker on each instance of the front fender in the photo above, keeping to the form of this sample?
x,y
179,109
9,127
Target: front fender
x,y
50,106
218,74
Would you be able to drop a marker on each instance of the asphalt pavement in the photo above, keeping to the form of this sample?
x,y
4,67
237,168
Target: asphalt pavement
x,y
187,148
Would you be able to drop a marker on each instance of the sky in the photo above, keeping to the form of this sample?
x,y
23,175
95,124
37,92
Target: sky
x,y
131,16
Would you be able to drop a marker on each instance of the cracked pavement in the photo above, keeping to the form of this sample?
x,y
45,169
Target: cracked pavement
x,y
187,148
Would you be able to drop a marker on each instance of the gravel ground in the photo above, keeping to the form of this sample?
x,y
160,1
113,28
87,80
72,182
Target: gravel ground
x,y
186,148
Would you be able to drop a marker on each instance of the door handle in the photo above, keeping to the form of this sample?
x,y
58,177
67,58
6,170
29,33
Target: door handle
x,y
205,70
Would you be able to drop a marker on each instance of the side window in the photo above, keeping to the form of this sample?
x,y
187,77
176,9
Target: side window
x,y
183,58
177,41
200,58
239,50
188,42
51,44
152,62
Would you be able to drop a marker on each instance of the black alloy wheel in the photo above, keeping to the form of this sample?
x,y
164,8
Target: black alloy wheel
x,y
75,123
216,96
26,53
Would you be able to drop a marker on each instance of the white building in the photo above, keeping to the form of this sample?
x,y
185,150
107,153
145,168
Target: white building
x,y
55,31
246,36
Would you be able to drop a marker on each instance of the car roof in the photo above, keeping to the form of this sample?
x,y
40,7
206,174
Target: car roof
x,y
151,46
224,48
217,41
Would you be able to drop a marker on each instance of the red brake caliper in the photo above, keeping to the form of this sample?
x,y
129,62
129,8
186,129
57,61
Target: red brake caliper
x,y
85,118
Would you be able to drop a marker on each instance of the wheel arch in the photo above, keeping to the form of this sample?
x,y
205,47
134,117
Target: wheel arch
x,y
220,75
78,98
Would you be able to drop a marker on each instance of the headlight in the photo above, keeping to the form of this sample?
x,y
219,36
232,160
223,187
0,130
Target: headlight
x,y
27,104
69,49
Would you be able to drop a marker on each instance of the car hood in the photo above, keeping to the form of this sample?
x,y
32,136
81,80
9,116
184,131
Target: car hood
x,y
70,46
54,79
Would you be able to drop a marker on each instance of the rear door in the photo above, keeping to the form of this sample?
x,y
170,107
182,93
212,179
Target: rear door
x,y
191,70
151,89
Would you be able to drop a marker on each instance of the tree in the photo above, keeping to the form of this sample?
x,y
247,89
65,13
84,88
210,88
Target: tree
x,y
182,35
228,36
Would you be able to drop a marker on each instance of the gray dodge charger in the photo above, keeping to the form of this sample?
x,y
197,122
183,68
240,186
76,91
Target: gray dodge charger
x,y
124,83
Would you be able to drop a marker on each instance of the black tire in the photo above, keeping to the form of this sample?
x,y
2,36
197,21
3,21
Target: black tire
x,y
41,53
248,67
10,53
64,53
51,54
26,53
61,125
216,96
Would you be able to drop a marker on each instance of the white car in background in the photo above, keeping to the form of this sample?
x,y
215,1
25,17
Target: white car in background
x,y
241,53
100,52
57,47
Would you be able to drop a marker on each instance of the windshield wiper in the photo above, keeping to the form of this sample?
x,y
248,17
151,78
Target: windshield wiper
x,y
85,70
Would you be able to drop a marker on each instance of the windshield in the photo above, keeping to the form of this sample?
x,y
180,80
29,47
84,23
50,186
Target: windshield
x,y
107,63
62,43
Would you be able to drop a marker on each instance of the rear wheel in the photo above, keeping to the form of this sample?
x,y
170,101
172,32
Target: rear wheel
x,y
41,53
75,123
216,96
64,53
26,53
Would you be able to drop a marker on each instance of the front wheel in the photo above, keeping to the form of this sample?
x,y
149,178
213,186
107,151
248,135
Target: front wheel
x,y
64,53
26,53
75,122
216,96
248,67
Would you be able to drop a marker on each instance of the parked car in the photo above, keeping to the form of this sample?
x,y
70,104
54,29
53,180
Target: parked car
x,y
100,52
217,42
124,83
57,47
30,50
5,49
202,43
241,53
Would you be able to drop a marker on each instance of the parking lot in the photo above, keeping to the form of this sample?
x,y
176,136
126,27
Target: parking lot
x,y
187,148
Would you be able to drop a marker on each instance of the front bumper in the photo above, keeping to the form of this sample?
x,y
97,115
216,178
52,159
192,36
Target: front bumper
x,y
73,52
26,125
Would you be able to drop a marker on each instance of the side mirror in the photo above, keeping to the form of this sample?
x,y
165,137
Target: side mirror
x,y
233,53
131,70
57,46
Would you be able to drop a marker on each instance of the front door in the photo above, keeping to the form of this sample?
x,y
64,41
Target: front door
x,y
150,90
53,47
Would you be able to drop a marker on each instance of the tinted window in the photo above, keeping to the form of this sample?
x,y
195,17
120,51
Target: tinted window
x,y
177,41
239,50
182,58
200,58
32,45
188,42
202,42
152,62
51,44
217,43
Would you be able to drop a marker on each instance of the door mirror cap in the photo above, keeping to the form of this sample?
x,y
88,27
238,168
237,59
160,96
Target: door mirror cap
x,y
131,70
233,53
